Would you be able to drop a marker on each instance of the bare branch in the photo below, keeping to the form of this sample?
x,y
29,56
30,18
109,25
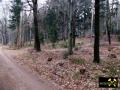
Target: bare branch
x,y
29,4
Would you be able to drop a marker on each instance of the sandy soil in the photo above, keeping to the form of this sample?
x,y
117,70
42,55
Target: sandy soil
x,y
14,77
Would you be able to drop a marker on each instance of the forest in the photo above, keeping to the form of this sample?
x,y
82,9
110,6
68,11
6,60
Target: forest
x,y
68,44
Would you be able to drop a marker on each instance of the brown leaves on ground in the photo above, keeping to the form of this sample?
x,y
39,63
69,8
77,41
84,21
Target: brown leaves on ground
x,y
77,72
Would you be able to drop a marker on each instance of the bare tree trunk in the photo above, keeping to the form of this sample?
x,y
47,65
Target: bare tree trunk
x,y
108,23
96,42
17,36
6,33
37,41
20,32
30,36
108,33
70,47
74,28
92,19
2,38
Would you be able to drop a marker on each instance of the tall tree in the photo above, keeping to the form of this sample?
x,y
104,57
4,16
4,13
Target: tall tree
x,y
108,21
73,28
70,47
92,18
15,18
96,42
51,23
35,13
114,12
34,6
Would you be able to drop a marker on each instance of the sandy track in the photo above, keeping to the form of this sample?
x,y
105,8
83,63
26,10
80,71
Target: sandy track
x,y
12,77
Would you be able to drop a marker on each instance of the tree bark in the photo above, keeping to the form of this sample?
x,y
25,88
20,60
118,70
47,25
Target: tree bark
x,y
108,23
73,29
6,33
108,32
17,36
92,20
70,47
96,42
36,36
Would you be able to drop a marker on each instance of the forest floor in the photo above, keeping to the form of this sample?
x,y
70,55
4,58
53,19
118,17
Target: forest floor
x,y
15,77
77,72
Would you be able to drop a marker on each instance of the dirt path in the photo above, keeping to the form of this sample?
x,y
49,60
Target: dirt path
x,y
13,77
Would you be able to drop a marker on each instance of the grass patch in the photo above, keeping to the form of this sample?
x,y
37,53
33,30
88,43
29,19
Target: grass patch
x,y
62,44
76,76
77,61
112,70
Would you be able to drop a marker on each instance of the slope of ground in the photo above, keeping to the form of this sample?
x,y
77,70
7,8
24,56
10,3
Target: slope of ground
x,y
77,72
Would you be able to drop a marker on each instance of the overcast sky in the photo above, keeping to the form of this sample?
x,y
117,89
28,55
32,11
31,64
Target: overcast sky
x,y
4,2
7,3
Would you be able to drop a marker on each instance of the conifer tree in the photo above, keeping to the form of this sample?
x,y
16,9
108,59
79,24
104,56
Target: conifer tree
x,y
51,23
14,21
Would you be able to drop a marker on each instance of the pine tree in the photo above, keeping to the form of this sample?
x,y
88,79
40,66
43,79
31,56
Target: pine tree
x,y
51,23
15,18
